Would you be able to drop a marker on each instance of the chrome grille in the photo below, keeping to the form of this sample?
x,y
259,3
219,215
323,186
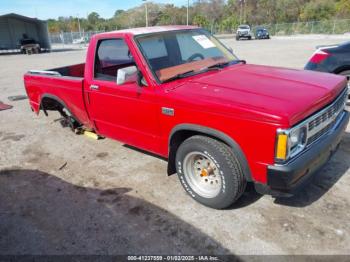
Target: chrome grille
x,y
329,113
323,121
316,136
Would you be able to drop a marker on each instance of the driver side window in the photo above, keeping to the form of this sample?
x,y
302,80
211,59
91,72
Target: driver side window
x,y
111,55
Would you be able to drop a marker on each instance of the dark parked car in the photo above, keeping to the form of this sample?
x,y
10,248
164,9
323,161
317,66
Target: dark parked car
x,y
261,33
332,59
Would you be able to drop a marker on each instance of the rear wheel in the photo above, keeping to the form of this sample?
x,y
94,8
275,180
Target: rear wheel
x,y
210,172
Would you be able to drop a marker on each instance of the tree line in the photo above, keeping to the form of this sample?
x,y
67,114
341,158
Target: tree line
x,y
222,14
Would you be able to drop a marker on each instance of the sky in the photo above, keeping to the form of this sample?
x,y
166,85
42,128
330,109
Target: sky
x,y
44,9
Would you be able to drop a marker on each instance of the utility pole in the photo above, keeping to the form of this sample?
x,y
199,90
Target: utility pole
x,y
188,7
245,12
79,25
240,11
146,12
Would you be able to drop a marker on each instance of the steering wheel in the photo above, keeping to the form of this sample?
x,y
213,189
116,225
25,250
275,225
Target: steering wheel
x,y
194,56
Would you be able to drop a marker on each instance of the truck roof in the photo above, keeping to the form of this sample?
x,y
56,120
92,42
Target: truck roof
x,y
148,30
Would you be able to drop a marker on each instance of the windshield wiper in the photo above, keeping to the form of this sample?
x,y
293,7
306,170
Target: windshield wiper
x,y
179,76
224,64
239,61
219,65
216,66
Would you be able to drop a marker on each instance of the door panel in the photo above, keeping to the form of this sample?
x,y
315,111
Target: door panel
x,y
124,112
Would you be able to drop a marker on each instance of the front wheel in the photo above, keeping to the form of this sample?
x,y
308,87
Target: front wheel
x,y
210,172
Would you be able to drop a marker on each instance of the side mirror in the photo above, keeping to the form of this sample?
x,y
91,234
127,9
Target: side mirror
x,y
127,75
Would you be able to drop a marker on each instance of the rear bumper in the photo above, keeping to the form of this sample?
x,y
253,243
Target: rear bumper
x,y
284,180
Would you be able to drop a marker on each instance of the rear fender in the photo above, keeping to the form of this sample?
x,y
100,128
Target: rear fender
x,y
60,102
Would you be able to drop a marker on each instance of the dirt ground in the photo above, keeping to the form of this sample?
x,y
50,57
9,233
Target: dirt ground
x,y
61,193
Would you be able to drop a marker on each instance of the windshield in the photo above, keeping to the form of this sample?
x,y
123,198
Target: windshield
x,y
172,53
243,27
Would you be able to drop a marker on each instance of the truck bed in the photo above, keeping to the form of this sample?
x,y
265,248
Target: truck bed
x,y
70,71
64,84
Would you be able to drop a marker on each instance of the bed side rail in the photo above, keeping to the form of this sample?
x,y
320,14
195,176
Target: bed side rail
x,y
44,72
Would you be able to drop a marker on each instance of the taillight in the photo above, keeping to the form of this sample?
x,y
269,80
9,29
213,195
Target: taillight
x,y
319,56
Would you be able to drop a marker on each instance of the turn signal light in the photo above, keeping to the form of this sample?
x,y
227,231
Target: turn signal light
x,y
281,150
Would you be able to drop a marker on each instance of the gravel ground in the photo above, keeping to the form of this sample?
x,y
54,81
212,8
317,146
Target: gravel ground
x,y
62,193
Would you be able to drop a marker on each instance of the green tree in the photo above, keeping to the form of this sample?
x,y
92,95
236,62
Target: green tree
x,y
343,8
224,15
200,20
229,23
93,18
318,10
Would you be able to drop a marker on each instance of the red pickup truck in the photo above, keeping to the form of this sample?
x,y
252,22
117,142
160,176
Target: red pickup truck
x,y
176,91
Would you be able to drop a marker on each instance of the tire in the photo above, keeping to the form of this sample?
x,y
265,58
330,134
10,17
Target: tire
x,y
237,38
249,38
210,171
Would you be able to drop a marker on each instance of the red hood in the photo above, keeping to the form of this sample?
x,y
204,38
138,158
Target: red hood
x,y
275,94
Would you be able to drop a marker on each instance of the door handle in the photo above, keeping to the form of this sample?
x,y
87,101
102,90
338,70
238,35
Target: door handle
x,y
94,87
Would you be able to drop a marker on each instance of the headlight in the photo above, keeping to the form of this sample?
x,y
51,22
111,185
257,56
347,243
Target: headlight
x,y
290,142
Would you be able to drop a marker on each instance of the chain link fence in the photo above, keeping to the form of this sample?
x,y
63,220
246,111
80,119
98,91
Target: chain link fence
x,y
80,39
311,27
71,39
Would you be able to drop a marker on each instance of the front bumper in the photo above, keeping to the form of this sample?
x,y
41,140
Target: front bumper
x,y
262,36
244,35
284,180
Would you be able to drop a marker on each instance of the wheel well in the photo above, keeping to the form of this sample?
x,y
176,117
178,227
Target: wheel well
x,y
176,140
181,135
341,69
52,103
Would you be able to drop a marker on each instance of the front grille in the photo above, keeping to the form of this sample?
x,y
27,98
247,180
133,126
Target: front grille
x,y
329,113
323,121
317,135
